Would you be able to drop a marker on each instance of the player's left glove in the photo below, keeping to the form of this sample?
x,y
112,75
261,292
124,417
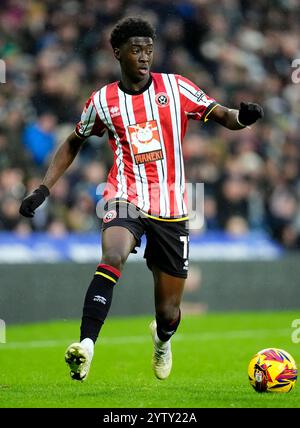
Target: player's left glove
x,y
249,113
33,201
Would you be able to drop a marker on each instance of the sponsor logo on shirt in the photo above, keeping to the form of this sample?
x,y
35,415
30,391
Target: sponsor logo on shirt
x,y
81,127
201,97
145,141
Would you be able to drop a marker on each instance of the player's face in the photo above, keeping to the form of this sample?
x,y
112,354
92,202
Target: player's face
x,y
136,56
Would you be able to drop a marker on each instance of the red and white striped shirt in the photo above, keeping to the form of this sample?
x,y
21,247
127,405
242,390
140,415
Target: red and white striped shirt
x,y
146,131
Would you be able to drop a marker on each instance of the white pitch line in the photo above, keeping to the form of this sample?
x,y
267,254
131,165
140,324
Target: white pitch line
x,y
234,334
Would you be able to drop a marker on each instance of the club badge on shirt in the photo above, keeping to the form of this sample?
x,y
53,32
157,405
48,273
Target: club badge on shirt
x,y
109,216
162,99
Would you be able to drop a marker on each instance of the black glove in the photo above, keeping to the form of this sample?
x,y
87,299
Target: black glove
x,y
34,200
249,113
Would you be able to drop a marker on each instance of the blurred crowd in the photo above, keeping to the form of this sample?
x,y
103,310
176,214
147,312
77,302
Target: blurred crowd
x,y
56,53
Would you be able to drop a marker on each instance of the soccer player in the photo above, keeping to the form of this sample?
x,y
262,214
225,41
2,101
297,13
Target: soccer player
x,y
145,115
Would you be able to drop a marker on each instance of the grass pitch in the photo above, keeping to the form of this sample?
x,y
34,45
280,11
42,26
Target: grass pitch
x,y
210,358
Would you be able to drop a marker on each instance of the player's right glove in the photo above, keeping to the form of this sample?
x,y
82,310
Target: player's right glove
x,y
33,201
249,113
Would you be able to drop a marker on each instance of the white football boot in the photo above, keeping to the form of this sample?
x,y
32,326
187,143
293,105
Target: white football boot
x,y
162,355
79,358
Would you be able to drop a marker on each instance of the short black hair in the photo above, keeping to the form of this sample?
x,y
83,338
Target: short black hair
x,y
130,27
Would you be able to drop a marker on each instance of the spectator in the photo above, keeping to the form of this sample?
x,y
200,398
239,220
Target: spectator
x,y
56,52
39,138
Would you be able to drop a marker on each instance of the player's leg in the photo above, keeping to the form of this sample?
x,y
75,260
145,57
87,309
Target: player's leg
x,y
168,293
117,243
167,256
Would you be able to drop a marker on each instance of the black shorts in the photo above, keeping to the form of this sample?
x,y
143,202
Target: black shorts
x,y
167,241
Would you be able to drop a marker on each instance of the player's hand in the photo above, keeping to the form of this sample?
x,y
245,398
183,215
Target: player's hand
x,y
250,113
33,201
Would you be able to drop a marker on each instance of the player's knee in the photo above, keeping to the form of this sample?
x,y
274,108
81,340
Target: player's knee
x,y
113,258
168,314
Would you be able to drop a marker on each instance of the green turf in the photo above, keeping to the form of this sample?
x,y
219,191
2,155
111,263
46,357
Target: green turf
x,y
210,358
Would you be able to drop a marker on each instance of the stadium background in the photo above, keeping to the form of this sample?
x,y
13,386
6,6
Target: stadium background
x,y
57,53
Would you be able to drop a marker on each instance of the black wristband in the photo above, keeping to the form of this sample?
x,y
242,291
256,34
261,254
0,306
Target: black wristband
x,y
44,190
240,123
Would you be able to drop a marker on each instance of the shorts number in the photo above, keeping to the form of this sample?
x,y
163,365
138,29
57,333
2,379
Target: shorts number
x,y
185,240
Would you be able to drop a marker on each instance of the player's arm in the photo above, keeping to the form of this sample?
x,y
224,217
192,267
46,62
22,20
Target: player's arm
x,y
60,162
62,159
233,119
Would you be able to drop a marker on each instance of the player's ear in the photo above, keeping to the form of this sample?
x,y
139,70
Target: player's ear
x,y
117,53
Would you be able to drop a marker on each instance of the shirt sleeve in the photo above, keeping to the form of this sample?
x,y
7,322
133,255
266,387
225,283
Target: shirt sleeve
x,y
196,104
90,123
